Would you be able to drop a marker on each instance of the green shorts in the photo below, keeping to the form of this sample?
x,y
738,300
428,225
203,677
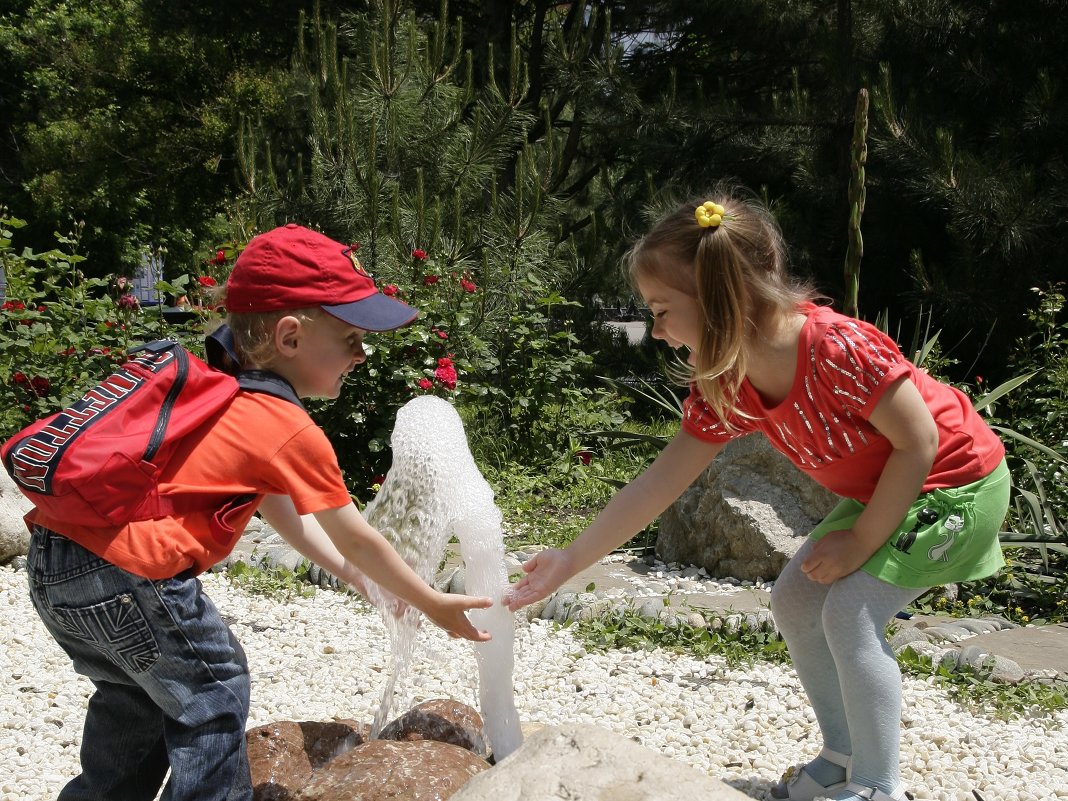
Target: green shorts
x,y
948,535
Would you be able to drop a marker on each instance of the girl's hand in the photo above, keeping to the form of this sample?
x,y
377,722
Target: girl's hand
x,y
449,612
836,554
546,571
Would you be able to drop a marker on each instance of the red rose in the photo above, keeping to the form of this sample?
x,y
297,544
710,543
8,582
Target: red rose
x,y
584,457
419,255
430,280
467,286
426,383
355,246
446,376
220,258
18,378
207,280
444,362
129,302
441,334
40,386
390,289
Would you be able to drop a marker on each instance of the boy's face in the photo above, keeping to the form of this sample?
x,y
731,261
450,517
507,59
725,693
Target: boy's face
x,y
327,351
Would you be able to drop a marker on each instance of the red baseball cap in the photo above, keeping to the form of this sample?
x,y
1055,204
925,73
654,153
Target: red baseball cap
x,y
296,268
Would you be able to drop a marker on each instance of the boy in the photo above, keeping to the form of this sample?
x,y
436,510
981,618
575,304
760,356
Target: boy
x,y
172,683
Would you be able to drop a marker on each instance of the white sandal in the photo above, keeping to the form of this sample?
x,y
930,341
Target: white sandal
x,y
800,786
874,794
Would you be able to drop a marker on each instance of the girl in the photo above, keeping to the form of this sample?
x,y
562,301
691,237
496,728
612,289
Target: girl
x,y
923,478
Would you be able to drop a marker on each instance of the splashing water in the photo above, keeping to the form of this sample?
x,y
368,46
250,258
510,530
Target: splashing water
x,y
434,491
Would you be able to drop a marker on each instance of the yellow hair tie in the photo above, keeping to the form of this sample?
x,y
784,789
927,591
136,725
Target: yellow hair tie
x,y
709,214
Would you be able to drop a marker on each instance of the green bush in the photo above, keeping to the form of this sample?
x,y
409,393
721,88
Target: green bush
x,y
60,332
438,354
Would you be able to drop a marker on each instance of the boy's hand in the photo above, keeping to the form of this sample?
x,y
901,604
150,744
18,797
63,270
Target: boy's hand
x,y
546,571
450,614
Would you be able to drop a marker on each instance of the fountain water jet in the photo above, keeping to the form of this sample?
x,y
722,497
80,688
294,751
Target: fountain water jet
x,y
434,491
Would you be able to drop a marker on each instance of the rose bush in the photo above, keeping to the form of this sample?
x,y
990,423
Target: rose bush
x,y
433,355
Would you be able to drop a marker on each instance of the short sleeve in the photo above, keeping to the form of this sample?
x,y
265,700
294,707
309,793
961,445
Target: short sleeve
x,y
856,363
701,422
312,489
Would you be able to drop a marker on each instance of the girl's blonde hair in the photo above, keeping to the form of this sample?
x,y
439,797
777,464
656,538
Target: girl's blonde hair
x,y
739,276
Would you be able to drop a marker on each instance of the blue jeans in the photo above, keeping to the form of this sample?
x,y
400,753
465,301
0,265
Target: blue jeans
x,y
172,684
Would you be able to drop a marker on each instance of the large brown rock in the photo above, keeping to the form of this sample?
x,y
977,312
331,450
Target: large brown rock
x,y
417,770
283,755
746,515
440,719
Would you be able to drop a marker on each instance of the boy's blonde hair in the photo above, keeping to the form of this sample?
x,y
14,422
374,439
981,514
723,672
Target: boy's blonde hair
x,y
738,274
254,332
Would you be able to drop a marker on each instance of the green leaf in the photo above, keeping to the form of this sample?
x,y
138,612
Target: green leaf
x,y
1008,432
1003,389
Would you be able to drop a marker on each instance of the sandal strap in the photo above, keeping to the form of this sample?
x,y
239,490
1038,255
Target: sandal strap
x,y
841,760
875,794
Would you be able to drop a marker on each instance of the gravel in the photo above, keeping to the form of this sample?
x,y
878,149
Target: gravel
x,y
326,656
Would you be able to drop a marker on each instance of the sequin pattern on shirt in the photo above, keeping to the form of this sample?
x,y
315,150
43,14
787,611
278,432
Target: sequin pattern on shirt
x,y
826,420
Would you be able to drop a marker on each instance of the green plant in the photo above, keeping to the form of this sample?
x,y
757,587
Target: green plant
x,y
629,629
60,332
858,156
976,690
279,583
744,646
438,354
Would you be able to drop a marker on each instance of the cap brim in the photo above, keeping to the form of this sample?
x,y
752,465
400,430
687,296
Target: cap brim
x,y
376,312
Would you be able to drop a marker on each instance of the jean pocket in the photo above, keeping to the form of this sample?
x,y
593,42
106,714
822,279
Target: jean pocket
x,y
117,628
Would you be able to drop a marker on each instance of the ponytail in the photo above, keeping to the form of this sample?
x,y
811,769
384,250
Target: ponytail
x,y
726,250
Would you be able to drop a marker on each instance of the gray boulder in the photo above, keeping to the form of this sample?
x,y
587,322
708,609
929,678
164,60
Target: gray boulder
x,y
746,515
14,536
588,763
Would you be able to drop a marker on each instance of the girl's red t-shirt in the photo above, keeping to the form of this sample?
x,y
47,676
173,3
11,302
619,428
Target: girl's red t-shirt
x,y
844,366
257,445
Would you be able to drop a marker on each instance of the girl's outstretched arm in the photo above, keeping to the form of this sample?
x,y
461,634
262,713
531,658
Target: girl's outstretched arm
x,y
902,416
629,511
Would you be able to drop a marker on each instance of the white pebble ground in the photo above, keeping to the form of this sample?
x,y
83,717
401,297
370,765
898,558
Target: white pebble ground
x,y
323,657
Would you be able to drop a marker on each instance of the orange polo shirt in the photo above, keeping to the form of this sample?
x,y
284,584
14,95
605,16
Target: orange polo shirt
x,y
257,445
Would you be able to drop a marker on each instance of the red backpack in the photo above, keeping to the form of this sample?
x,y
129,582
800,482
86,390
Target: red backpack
x,y
97,463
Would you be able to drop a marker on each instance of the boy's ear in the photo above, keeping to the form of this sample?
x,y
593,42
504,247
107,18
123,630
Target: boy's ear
x,y
287,333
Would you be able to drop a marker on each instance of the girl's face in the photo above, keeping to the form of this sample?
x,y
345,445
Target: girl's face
x,y
676,317
329,350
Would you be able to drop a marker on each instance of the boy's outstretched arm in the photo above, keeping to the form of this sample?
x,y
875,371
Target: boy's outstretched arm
x,y
343,543
629,511
310,541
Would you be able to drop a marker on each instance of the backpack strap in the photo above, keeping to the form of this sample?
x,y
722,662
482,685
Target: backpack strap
x,y
221,351
222,355
269,383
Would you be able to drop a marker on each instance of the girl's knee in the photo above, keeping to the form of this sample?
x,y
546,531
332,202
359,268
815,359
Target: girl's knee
x,y
795,598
